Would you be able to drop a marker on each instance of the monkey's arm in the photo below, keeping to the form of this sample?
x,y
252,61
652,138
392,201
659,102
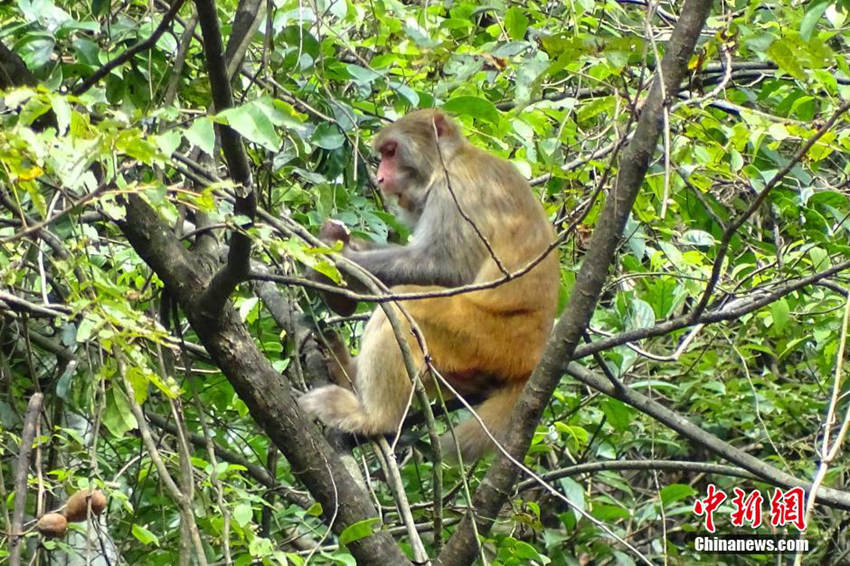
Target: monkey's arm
x,y
443,250
418,264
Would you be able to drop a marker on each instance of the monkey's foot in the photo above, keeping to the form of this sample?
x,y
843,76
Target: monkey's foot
x,y
339,408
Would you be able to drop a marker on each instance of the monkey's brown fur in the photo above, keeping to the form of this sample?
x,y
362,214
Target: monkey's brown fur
x,y
483,341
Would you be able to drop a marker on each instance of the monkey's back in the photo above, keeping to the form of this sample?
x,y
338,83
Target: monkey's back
x,y
506,326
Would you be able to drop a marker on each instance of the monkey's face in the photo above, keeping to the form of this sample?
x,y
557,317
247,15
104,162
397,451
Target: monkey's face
x,y
400,173
390,174
413,150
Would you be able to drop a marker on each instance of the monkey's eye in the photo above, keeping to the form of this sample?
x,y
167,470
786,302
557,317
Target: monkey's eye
x,y
388,150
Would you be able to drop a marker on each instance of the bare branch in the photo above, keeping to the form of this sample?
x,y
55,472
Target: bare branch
x,y
21,473
660,465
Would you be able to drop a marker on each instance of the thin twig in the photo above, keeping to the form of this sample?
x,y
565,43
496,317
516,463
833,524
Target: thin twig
x,y
828,451
184,504
21,473
397,487
127,55
44,223
738,222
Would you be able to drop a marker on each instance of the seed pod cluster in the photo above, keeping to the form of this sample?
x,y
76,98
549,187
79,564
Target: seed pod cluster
x,y
53,525
76,508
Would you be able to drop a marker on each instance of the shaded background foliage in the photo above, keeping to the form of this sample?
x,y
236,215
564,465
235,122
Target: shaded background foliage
x,y
553,87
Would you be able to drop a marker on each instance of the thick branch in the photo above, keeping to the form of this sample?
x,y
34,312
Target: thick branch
x,y
267,395
13,70
634,162
239,255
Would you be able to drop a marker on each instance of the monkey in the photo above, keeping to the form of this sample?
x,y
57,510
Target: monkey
x,y
473,218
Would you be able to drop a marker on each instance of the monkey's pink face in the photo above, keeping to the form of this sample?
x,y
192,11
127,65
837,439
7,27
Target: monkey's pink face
x,y
390,171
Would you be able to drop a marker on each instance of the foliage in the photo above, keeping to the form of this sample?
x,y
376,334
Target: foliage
x,y
554,87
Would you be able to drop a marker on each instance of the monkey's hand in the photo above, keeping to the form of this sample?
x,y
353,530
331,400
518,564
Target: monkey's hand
x,y
334,231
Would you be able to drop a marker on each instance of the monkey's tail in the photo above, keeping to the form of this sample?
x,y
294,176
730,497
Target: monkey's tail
x,y
471,438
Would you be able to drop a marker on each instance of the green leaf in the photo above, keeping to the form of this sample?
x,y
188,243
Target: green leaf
x,y
410,95
575,493
780,313
327,136
243,514
783,54
516,22
167,142
202,135
358,530
676,492
698,238
143,535
253,124
361,75
33,109
528,553
619,414
132,142
479,108
246,305
260,547
641,315
62,110
118,418
609,513
814,12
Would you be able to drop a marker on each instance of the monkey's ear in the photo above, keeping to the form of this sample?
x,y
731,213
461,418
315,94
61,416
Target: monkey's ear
x,y
441,123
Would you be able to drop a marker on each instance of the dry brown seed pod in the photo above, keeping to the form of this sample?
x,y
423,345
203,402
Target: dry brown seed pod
x,y
98,502
76,507
52,525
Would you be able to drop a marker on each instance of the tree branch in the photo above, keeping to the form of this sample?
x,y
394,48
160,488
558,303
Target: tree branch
x,y
256,382
730,311
773,182
21,473
604,242
130,53
238,258
686,428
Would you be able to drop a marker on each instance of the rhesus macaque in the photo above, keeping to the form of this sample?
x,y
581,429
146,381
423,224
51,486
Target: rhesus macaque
x,y
485,341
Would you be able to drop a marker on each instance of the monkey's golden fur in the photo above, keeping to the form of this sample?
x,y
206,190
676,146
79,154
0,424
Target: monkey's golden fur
x,y
483,341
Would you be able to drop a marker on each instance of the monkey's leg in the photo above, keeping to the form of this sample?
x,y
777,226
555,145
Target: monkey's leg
x,y
341,366
381,383
470,437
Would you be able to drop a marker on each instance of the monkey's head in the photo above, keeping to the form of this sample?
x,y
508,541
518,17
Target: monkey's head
x,y
413,150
